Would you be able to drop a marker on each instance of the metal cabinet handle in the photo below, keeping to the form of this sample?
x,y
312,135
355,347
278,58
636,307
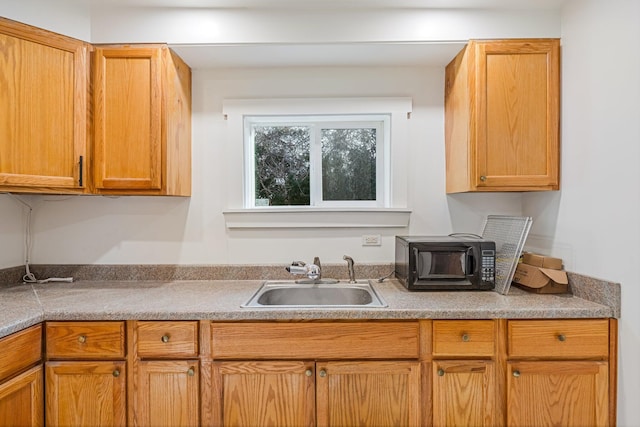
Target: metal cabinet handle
x,y
308,372
465,337
191,372
483,178
82,339
440,372
516,373
165,338
323,373
562,337
116,373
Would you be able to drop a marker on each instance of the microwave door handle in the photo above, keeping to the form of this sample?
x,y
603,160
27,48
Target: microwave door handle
x,y
470,265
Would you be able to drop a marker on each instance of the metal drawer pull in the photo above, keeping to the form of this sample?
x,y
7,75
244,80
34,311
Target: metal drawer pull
x,y
116,373
82,339
308,372
165,338
323,373
440,372
516,373
465,337
561,337
191,372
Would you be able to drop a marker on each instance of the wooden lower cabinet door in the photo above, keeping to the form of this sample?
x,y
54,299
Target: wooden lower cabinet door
x,y
263,393
368,393
464,393
85,394
167,393
21,400
557,393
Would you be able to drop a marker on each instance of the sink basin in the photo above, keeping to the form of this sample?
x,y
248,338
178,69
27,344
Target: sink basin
x,y
290,294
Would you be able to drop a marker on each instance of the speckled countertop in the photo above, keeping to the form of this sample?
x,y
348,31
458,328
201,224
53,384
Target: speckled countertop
x,y
22,305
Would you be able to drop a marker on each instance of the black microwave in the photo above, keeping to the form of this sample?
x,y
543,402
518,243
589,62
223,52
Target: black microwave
x,y
437,263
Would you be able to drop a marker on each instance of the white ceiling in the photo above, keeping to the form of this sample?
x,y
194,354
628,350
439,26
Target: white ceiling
x,y
320,54
336,4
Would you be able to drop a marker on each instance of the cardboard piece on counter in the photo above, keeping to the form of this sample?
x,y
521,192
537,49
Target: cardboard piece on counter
x,y
541,280
542,261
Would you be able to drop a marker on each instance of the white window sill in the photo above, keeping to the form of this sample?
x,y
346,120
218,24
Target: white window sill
x,y
291,217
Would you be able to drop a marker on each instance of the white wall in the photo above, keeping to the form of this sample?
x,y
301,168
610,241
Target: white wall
x,y
192,230
67,17
595,219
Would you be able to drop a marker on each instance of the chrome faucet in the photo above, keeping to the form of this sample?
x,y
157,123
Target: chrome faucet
x,y
352,273
312,271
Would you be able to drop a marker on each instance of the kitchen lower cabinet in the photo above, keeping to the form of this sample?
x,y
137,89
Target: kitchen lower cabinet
x,y
316,373
558,393
464,393
274,393
85,374
307,393
165,385
561,373
368,393
21,383
21,400
89,393
167,393
463,375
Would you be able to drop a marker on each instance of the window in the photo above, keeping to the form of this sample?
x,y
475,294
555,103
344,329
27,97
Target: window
x,y
341,192
318,161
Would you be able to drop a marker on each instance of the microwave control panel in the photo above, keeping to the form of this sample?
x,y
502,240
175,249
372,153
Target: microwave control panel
x,y
488,265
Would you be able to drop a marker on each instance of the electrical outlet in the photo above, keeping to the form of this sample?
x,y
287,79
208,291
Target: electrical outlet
x,y
371,240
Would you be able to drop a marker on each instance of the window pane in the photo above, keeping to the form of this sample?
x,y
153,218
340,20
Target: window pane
x,y
348,164
282,165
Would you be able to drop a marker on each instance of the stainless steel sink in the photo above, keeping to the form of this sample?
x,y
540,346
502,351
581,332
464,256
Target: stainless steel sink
x,y
286,294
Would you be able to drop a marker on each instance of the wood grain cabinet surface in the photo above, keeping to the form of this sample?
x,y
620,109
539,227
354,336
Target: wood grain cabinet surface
x,y
315,373
142,121
561,373
85,374
43,110
502,116
21,380
165,381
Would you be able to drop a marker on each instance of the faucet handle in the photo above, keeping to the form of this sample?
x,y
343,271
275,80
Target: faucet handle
x,y
298,263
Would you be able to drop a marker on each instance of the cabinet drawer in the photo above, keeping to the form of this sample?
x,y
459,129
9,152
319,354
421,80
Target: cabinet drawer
x,y
315,340
580,339
20,350
474,338
167,339
85,340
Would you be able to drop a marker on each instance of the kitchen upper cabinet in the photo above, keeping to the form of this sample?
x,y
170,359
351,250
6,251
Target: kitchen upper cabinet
x,y
85,374
142,121
502,100
43,110
21,382
559,373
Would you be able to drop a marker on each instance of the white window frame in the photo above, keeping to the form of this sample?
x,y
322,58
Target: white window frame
x,y
238,217
315,123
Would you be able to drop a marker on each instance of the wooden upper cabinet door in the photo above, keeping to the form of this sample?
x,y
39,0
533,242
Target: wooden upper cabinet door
x,y
43,110
127,105
517,106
